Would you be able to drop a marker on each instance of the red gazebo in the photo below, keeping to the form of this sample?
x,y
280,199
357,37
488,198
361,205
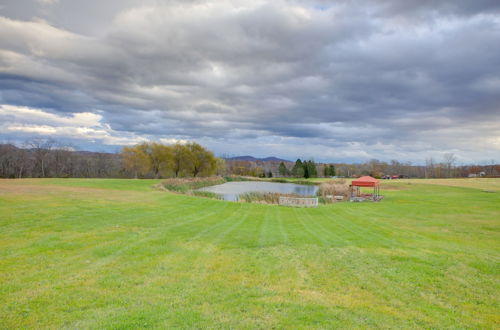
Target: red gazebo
x,y
367,181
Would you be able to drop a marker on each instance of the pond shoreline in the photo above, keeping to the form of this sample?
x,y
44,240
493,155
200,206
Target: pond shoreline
x,y
255,190
192,186
326,191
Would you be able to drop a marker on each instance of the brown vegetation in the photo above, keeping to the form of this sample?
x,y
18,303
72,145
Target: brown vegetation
x,y
334,188
264,197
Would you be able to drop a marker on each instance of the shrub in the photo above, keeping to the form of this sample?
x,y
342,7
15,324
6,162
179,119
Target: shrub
x,y
323,200
333,188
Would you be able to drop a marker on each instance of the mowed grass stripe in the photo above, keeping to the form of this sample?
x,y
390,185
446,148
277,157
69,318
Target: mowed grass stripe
x,y
248,234
271,227
264,228
330,237
366,232
309,228
284,235
220,221
276,234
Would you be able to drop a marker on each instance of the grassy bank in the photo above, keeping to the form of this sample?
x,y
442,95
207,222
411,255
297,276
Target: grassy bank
x,y
120,254
188,185
491,184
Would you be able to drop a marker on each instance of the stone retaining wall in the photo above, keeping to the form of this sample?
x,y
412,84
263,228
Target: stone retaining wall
x,y
299,201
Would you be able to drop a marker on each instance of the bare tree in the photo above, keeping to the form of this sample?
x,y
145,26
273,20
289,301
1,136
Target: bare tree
x,y
40,148
449,161
60,159
429,168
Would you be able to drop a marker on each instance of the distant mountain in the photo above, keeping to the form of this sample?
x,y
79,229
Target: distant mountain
x,y
253,159
274,159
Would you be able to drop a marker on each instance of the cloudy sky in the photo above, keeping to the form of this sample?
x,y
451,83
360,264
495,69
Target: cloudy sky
x,y
332,80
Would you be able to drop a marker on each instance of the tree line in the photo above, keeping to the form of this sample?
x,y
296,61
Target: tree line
x,y
446,168
40,158
43,158
376,168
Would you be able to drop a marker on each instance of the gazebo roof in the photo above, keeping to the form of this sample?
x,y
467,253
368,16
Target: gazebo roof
x,y
365,181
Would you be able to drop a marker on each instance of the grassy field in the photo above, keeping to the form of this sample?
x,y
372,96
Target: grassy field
x,y
119,254
491,184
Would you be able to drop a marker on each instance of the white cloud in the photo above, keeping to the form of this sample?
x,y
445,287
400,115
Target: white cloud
x,y
21,114
86,126
47,2
172,141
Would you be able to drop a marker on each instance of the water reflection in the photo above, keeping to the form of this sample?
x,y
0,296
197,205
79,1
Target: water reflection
x,y
230,191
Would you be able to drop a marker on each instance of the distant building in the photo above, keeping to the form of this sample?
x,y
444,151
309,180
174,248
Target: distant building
x,y
392,177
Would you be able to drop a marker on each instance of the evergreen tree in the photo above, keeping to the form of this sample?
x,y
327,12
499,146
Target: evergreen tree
x,y
298,169
282,170
313,172
310,169
332,170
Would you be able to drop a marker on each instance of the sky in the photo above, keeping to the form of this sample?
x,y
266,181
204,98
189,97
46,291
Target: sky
x,y
335,81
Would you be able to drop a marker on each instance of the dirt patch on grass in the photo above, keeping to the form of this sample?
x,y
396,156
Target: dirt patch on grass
x,y
37,189
26,189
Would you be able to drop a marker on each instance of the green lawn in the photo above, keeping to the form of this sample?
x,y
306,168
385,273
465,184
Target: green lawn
x,y
78,253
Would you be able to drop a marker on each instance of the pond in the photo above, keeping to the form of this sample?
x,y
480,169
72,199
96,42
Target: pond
x,y
230,191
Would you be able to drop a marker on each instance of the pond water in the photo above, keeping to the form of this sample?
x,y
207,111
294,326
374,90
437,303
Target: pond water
x,y
230,191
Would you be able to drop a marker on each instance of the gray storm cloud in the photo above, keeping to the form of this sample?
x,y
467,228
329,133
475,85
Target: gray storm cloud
x,y
344,80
